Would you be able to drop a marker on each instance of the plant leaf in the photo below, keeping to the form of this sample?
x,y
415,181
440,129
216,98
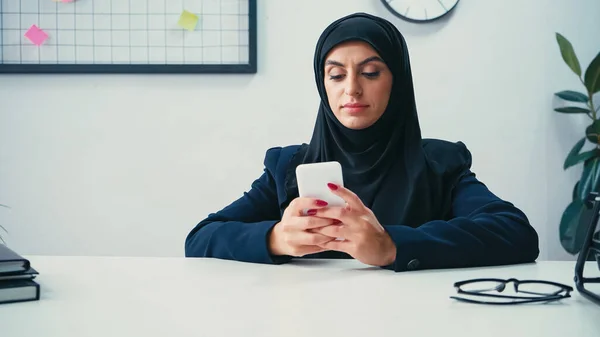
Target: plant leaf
x,y
572,96
1,239
574,151
592,132
587,178
568,221
4,229
572,110
573,226
568,54
592,75
596,177
583,156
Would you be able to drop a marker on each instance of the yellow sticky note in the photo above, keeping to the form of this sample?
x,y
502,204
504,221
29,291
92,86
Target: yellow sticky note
x,y
188,20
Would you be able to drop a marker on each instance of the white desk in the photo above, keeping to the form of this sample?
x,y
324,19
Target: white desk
x,y
92,296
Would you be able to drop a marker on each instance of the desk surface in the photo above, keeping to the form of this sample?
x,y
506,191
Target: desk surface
x,y
115,296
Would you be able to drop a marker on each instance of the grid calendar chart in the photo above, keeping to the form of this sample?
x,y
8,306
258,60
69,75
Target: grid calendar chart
x,y
128,36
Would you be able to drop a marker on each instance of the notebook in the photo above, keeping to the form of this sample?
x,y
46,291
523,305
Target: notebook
x,y
12,291
11,262
30,274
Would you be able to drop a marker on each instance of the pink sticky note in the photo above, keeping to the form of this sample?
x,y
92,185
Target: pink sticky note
x,y
36,35
68,0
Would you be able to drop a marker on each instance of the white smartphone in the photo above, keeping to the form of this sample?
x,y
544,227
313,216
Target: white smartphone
x,y
313,178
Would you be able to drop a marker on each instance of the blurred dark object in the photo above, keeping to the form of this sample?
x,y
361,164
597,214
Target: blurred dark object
x,y
590,248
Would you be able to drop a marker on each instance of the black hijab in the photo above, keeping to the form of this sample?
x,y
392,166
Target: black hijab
x,y
403,179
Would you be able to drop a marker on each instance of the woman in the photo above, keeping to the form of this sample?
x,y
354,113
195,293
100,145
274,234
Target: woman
x,y
410,203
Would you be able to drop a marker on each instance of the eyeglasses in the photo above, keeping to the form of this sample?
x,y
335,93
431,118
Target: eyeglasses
x,y
527,291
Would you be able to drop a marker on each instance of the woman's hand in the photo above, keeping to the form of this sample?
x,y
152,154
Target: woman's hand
x,y
293,236
362,236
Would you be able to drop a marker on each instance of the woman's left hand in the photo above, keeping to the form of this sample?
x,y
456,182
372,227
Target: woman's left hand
x,y
363,236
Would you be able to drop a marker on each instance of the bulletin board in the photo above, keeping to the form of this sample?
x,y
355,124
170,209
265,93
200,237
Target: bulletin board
x,y
128,36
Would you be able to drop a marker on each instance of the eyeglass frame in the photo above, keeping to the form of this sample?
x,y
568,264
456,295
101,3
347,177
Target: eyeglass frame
x,y
523,299
590,246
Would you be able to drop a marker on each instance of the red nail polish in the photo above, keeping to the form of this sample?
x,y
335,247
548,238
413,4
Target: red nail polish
x,y
311,212
321,203
332,186
336,222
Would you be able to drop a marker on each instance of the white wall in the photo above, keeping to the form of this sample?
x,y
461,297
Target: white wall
x,y
127,165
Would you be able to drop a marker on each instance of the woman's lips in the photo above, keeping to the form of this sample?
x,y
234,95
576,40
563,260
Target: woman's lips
x,y
354,108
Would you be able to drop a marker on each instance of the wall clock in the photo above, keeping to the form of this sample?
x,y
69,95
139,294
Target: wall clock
x,y
420,11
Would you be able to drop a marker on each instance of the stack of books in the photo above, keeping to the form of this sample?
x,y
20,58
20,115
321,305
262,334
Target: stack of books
x,y
16,278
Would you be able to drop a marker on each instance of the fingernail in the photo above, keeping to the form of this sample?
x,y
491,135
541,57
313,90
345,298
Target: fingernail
x,y
311,212
321,203
336,221
332,186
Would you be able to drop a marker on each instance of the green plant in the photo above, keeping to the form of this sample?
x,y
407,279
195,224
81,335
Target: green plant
x,y
572,227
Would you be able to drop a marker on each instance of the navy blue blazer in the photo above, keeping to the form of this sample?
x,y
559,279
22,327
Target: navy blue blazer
x,y
483,230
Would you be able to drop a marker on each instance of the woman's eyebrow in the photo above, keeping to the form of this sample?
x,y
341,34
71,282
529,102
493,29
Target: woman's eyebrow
x,y
361,63
371,59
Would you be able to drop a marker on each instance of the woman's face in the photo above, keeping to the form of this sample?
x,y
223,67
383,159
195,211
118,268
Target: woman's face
x,y
358,84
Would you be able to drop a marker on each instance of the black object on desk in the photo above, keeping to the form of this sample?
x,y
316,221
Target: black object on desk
x,y
16,278
11,262
590,248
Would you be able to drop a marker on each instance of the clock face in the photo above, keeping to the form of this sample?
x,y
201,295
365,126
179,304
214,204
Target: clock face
x,y
420,10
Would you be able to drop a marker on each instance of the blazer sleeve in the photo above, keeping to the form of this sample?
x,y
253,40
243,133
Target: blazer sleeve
x,y
485,230
240,230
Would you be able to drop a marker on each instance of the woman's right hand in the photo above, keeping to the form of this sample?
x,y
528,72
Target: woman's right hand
x,y
292,235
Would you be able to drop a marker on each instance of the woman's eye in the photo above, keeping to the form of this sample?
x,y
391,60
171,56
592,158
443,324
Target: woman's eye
x,y
371,75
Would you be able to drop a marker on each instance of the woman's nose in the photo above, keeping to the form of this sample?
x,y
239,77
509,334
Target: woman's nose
x,y
353,87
